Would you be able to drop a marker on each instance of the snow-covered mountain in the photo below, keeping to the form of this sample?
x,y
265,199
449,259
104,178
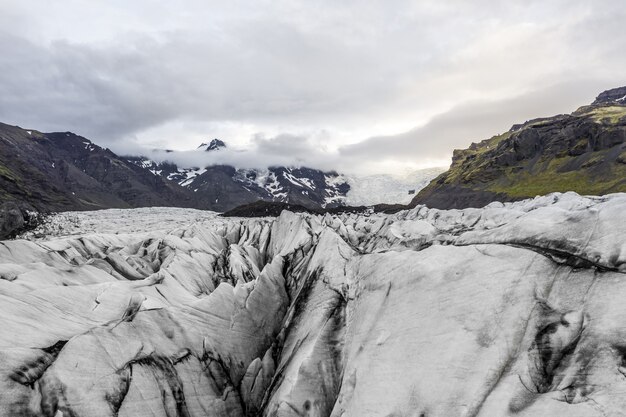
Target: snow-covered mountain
x,y
222,187
511,310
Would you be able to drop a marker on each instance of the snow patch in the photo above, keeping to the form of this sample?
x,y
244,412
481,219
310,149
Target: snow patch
x,y
190,174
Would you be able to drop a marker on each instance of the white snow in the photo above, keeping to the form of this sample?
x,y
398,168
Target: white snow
x,y
191,174
333,196
146,163
307,182
88,145
292,179
267,180
298,182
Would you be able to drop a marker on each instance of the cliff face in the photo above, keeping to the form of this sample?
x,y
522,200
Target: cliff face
x,y
583,152
510,310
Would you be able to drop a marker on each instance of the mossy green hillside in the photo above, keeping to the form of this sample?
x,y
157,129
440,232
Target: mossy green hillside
x,y
607,114
583,152
467,162
553,178
6,173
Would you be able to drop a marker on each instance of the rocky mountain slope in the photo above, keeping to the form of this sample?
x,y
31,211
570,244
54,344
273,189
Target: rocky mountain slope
x,y
584,152
510,310
63,171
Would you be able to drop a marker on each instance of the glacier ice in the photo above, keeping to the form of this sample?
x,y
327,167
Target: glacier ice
x,y
514,309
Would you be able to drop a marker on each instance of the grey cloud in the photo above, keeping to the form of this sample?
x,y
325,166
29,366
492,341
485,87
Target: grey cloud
x,y
68,87
260,71
305,66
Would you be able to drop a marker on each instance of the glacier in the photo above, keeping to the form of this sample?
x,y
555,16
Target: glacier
x,y
514,309
388,189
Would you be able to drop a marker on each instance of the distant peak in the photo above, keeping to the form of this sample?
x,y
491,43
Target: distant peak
x,y
615,95
214,145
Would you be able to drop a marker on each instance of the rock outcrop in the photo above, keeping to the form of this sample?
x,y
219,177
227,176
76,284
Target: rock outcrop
x,y
214,145
11,219
611,96
583,152
511,310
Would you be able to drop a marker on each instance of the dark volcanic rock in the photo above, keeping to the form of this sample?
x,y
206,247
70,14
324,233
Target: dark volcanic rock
x,y
610,96
455,196
264,209
11,219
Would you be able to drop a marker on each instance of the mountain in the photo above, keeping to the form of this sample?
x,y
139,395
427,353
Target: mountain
x,y
224,187
509,311
583,152
45,172
64,171
214,145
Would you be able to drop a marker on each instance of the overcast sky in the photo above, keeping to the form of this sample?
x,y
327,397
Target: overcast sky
x,y
358,86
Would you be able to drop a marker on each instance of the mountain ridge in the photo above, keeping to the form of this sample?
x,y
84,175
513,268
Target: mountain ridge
x,y
61,171
584,151
223,187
